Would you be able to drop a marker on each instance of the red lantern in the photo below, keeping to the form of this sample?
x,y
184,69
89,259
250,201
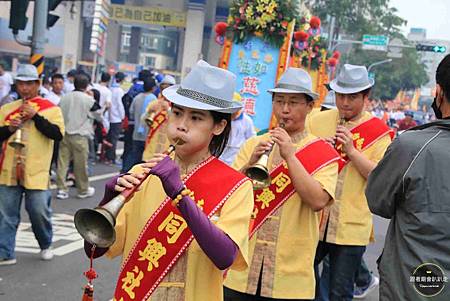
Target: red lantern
x,y
332,62
314,22
221,28
336,54
301,36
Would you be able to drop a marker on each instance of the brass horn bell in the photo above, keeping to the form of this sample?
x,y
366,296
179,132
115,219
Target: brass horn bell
x,y
17,142
150,119
259,173
96,226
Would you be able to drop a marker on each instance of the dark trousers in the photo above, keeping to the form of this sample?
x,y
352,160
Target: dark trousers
x,y
113,137
127,147
135,156
363,278
344,264
363,275
55,154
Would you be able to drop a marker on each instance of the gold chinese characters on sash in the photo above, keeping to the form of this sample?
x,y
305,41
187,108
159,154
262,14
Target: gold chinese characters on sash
x,y
364,135
313,157
166,235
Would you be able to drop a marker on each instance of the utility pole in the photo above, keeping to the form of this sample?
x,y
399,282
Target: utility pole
x,y
331,33
39,30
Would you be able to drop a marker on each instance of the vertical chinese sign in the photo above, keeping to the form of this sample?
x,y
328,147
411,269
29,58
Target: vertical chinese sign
x,y
257,66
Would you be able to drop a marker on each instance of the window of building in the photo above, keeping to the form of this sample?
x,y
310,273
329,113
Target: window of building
x,y
126,37
153,43
150,61
148,41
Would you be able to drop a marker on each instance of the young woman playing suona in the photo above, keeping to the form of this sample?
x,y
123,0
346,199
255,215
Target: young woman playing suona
x,y
193,194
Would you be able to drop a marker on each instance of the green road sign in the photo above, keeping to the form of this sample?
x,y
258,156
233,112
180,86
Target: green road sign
x,y
431,48
371,42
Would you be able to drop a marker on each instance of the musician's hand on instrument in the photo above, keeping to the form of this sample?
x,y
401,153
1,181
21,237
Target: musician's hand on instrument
x,y
345,137
284,141
169,173
259,150
28,111
149,164
128,181
14,124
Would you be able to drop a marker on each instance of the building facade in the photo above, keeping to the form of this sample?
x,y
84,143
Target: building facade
x,y
165,35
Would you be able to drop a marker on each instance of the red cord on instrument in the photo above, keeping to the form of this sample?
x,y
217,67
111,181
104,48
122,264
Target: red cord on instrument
x,y
91,274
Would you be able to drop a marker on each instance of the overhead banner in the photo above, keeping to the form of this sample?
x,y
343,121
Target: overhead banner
x,y
148,15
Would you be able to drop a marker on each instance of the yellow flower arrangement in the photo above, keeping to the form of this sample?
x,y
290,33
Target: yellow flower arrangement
x,y
268,17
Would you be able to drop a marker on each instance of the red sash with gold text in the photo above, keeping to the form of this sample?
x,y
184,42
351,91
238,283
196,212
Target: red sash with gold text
x,y
364,135
313,157
159,119
39,104
166,235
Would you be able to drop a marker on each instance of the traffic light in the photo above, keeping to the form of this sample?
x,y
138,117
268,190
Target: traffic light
x,y
431,48
17,15
51,19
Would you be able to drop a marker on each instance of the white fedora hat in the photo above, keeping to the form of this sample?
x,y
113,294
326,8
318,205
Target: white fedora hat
x,y
352,79
205,88
168,80
27,73
295,80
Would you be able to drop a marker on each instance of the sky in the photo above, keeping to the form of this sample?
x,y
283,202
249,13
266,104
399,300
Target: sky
x,y
433,15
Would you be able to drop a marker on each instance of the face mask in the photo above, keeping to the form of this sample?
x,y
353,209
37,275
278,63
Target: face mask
x,y
436,109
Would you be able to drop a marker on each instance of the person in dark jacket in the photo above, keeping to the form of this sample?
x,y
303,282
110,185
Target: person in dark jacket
x,y
411,187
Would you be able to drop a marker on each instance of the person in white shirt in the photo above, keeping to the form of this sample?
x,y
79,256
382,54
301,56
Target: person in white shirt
x,y
68,83
116,115
44,89
242,129
105,97
56,92
6,81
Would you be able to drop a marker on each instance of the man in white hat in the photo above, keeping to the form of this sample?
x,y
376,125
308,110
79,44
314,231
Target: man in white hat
x,y
361,140
24,166
285,229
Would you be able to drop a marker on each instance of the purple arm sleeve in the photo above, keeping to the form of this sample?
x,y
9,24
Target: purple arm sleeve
x,y
110,193
218,246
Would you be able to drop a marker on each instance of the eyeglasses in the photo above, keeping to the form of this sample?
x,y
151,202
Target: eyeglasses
x,y
291,104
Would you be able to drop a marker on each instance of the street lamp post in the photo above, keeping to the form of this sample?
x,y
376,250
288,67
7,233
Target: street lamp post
x,y
378,63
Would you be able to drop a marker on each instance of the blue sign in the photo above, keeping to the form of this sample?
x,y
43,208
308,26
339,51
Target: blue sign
x,y
255,64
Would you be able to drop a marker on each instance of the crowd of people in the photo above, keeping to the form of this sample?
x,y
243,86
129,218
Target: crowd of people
x,y
94,116
400,118
299,236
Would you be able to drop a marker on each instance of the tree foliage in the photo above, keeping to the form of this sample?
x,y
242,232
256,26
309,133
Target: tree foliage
x,y
359,17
